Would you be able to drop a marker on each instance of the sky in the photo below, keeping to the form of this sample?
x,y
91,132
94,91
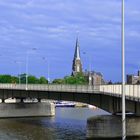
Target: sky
x,y
46,30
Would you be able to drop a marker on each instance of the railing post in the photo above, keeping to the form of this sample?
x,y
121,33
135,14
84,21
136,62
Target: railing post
x,y
138,92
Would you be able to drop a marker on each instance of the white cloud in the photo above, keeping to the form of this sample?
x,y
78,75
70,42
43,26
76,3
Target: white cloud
x,y
53,24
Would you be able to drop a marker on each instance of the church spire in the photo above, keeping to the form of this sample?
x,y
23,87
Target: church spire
x,y
77,50
77,65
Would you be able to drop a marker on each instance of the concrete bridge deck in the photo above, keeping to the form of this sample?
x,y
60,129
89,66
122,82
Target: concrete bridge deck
x,y
132,91
106,97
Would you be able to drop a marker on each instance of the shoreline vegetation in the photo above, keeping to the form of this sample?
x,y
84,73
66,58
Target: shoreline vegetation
x,y
78,79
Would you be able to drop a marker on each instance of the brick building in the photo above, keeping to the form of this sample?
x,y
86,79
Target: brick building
x,y
133,79
95,78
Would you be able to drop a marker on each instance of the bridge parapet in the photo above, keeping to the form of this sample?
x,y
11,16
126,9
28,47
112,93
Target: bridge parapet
x,y
106,97
132,91
51,87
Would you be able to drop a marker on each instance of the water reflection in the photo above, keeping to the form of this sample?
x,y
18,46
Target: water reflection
x,y
68,124
117,139
19,129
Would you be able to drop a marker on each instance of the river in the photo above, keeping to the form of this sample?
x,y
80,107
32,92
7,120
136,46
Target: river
x,y
67,124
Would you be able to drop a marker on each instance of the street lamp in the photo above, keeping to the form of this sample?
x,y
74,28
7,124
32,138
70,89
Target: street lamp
x,y
89,69
123,75
27,65
48,68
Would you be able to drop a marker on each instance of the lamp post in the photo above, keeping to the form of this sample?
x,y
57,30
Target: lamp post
x,y
90,77
123,75
27,65
89,69
48,68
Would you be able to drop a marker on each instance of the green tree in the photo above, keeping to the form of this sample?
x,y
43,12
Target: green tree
x,y
70,80
58,81
32,79
14,79
8,79
43,80
5,79
79,79
23,78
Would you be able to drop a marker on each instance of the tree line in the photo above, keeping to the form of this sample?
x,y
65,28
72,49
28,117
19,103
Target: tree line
x,y
22,79
79,79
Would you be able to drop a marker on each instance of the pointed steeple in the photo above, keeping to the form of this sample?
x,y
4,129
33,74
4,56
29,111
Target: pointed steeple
x,y
77,65
77,50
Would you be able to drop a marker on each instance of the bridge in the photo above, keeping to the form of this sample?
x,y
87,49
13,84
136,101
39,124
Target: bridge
x,y
106,97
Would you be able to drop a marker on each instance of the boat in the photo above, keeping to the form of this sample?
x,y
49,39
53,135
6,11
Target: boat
x,y
92,107
64,104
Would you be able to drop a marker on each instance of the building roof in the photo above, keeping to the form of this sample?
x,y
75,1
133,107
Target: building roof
x,y
93,73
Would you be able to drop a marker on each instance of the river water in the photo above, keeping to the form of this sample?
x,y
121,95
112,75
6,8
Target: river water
x,y
68,124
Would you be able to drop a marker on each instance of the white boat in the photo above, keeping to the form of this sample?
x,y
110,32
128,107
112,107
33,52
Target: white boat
x,y
64,104
92,107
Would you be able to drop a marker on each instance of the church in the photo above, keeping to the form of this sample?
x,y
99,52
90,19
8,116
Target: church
x,y
94,78
77,64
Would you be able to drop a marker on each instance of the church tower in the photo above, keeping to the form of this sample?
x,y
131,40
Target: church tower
x,y
77,65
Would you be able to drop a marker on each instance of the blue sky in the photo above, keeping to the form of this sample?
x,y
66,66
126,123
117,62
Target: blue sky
x,y
51,26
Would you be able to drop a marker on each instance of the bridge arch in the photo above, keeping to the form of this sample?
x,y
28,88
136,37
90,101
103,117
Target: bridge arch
x,y
109,102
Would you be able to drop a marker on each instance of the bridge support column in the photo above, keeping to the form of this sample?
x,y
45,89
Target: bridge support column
x,y
22,109
21,100
3,100
109,126
39,100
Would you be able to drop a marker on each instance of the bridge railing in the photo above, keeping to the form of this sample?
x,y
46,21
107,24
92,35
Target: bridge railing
x,y
52,87
132,91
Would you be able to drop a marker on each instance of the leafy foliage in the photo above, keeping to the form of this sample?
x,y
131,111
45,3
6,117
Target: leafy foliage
x,y
79,79
31,79
58,81
8,79
23,78
43,80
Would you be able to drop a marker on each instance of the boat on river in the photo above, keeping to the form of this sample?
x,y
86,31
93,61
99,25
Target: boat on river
x,y
64,104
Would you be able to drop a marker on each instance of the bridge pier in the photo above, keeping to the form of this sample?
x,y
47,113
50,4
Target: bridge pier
x,y
39,100
21,100
2,100
110,126
21,109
